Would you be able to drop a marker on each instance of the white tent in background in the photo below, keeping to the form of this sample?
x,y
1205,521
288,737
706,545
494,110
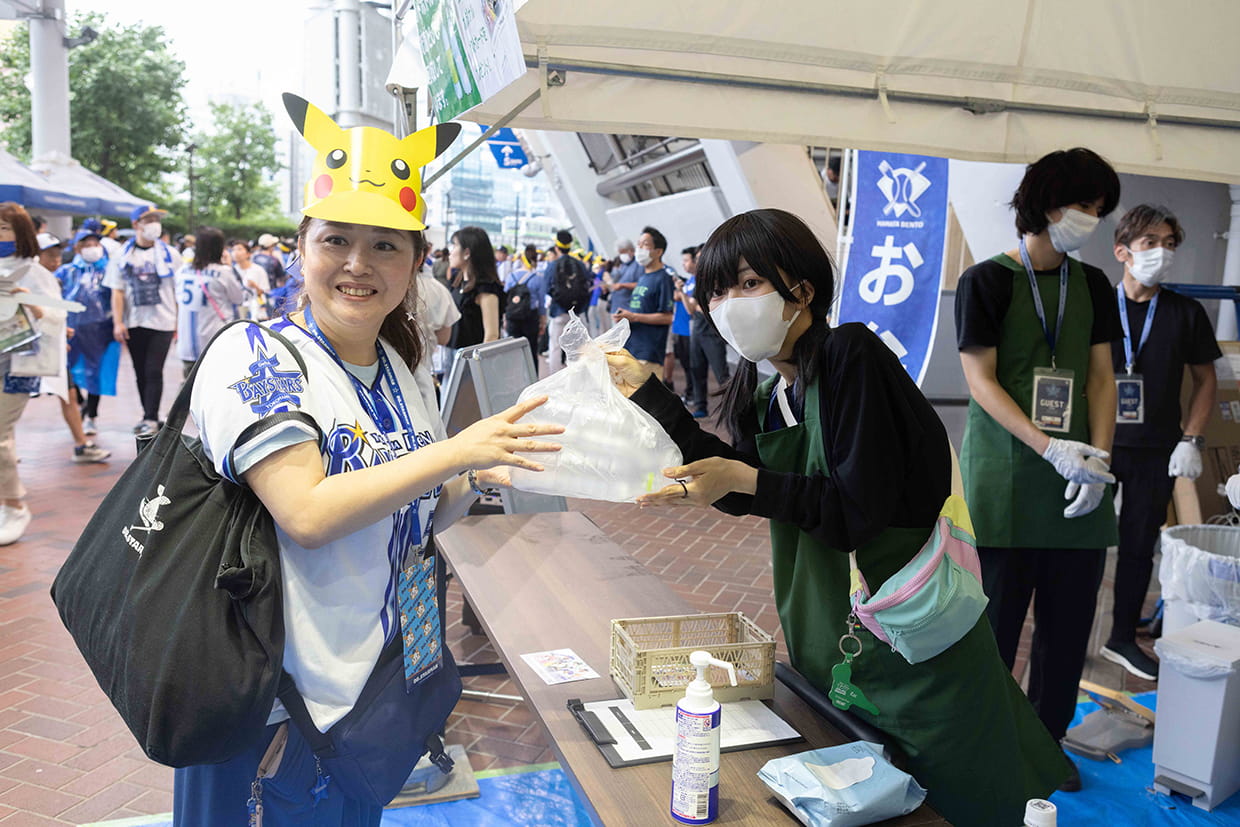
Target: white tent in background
x,y
106,198
21,184
1153,87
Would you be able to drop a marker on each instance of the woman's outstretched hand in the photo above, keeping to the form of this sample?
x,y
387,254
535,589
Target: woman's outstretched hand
x,y
703,482
497,439
627,374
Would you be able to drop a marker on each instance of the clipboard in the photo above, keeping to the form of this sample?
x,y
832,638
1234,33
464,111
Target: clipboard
x,y
628,737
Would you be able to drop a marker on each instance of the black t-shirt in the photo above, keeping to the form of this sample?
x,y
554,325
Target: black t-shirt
x,y
985,293
1180,335
469,330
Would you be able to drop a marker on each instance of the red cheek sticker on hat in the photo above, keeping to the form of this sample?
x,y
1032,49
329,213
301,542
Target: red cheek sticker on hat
x,y
408,198
323,186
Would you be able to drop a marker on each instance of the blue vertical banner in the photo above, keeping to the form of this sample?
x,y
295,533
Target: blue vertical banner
x,y
894,270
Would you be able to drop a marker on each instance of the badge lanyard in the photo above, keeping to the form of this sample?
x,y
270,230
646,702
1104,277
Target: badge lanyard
x,y
1051,339
365,395
1130,356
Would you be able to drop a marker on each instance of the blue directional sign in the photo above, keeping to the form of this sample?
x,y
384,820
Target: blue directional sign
x,y
507,149
895,263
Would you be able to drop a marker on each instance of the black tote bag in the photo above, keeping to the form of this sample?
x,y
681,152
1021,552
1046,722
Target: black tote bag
x,y
173,596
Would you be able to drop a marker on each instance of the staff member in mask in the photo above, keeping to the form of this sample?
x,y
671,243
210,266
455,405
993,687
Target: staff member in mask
x,y
840,451
1034,329
1163,332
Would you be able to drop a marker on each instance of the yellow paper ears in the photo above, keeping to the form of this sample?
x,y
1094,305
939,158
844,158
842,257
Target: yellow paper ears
x,y
365,175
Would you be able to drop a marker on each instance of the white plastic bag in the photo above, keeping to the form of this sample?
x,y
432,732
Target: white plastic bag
x,y
612,449
1200,570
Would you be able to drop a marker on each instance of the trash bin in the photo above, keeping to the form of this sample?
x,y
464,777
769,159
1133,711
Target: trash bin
x,y
1197,738
1200,575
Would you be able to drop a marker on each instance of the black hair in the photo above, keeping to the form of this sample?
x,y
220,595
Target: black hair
x,y
481,262
1144,217
564,238
691,251
659,240
208,247
1062,178
770,241
399,328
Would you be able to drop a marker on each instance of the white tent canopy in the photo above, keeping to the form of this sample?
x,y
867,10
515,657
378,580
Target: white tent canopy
x,y
103,196
1152,86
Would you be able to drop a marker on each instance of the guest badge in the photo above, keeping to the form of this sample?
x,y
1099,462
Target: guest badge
x,y
1052,399
1130,399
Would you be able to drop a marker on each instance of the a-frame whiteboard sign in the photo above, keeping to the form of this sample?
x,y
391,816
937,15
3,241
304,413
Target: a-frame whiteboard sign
x,y
484,380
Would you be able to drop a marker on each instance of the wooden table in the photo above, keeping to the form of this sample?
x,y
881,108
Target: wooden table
x,y
555,581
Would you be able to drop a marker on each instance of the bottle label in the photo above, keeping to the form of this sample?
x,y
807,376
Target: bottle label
x,y
695,767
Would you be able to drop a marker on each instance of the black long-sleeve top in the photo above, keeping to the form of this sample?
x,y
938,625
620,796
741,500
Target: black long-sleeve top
x,y
887,450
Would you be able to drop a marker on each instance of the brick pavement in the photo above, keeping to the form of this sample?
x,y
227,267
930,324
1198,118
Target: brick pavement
x,y
65,756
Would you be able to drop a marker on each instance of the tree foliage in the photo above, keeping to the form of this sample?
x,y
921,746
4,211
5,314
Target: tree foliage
x,y
235,161
127,114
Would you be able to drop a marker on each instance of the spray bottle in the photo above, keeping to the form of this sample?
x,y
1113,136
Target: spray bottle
x,y
695,762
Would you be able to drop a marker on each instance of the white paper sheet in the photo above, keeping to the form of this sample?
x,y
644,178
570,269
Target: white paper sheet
x,y
559,666
743,723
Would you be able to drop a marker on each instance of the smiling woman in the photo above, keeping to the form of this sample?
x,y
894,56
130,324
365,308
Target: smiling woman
x,y
351,458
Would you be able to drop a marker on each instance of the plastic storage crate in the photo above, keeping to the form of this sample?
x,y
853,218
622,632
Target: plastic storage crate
x,y
650,657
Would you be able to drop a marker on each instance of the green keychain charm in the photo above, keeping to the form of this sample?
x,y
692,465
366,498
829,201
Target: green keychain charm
x,y
844,693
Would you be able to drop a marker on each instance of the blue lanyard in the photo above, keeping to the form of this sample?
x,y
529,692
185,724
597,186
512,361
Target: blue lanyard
x,y
1130,357
1037,297
370,398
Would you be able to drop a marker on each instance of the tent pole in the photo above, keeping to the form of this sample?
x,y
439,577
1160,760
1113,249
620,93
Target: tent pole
x,y
496,127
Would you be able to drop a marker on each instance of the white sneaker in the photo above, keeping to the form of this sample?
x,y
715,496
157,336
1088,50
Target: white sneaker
x,y
90,452
88,426
13,523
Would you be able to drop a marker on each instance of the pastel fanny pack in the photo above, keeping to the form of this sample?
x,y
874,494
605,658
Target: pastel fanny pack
x,y
935,599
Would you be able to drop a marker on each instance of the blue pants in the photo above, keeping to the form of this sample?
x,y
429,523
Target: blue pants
x,y
215,795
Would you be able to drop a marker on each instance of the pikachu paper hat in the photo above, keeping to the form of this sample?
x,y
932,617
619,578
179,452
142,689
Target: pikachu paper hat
x,y
364,175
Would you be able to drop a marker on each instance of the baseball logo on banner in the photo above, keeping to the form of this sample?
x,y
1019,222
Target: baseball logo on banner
x,y
895,263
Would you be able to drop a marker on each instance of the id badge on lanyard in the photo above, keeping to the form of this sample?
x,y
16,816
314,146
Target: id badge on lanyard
x,y
1051,406
1129,386
1130,399
1052,399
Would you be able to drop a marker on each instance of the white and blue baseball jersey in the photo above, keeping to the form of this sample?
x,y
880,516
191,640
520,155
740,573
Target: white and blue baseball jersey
x,y
339,599
206,301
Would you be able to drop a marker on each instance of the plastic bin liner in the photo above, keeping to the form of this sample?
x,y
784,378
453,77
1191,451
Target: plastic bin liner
x,y
1201,567
1188,666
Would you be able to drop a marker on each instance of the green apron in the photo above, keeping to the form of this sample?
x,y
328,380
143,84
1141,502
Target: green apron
x,y
1015,497
971,737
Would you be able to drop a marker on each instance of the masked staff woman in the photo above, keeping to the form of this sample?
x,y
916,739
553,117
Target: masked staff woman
x,y
1034,328
840,451
354,474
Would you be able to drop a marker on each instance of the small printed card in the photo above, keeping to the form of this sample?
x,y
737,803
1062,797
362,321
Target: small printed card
x,y
559,666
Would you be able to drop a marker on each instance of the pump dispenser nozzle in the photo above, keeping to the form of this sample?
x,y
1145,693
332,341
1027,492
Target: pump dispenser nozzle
x,y
699,691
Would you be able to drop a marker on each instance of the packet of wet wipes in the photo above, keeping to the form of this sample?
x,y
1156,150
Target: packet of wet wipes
x,y
844,786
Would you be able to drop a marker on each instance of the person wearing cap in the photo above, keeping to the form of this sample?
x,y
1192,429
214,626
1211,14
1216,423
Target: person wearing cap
x,y
144,307
563,272
268,257
108,238
503,263
53,332
94,355
350,457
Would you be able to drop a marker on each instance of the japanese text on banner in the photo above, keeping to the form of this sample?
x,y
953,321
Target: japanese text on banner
x,y
895,263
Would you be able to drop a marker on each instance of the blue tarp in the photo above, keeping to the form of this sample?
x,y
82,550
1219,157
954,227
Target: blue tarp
x,y
1122,795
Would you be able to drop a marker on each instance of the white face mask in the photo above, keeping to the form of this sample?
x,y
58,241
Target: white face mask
x,y
644,256
91,254
753,325
151,231
1150,266
1072,230
626,257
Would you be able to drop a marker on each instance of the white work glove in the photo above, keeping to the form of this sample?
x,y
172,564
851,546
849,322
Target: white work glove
x,y
1086,499
1185,461
1233,490
1078,462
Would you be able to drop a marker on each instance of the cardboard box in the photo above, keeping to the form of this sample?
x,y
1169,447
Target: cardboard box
x,y
1197,502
